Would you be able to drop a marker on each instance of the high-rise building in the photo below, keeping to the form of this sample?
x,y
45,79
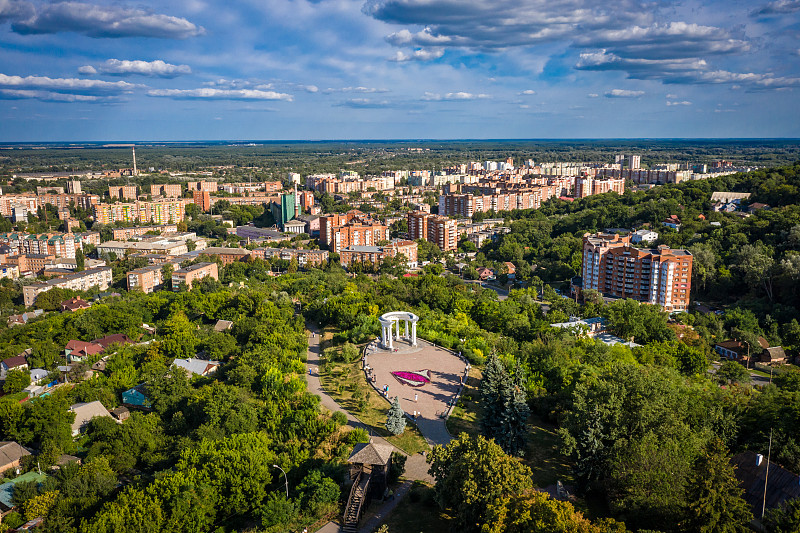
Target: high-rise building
x,y
418,225
443,232
172,190
285,209
74,187
202,199
635,162
352,228
659,276
588,186
123,192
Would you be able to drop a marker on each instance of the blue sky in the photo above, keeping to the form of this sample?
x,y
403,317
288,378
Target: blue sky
x,y
384,69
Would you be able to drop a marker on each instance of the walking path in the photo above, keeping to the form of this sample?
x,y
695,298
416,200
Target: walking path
x,y
416,466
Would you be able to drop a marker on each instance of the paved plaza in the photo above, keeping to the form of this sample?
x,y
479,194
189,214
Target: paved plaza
x,y
434,398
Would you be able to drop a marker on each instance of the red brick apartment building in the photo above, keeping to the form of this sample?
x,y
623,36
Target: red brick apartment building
x,y
350,229
172,190
659,276
440,230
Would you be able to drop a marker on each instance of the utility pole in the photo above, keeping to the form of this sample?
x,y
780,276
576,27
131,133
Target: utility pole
x,y
766,476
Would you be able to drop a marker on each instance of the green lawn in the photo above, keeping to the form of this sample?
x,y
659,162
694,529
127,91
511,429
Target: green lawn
x,y
346,384
466,414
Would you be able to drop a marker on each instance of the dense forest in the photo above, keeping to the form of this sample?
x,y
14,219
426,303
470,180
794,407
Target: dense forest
x,y
276,158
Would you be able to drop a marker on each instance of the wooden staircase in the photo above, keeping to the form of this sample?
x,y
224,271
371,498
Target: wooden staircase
x,y
358,494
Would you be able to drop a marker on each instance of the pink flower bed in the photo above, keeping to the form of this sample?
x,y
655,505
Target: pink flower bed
x,y
413,379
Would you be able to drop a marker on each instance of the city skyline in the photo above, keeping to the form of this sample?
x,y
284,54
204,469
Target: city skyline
x,y
397,69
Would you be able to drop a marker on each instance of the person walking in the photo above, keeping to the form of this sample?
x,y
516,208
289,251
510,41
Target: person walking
x,y
416,397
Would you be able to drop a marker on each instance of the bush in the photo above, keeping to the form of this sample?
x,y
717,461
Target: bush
x,y
398,466
358,435
339,418
277,510
12,520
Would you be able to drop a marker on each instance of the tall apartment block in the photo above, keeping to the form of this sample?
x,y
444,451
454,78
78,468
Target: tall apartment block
x,y
209,186
659,276
440,230
171,190
202,199
123,192
350,229
589,186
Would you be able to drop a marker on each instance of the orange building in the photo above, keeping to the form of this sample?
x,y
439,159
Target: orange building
x,y
202,199
659,276
193,273
123,192
353,228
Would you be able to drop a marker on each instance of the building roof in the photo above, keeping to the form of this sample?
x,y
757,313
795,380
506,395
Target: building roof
x,y
11,452
38,374
192,268
776,353
7,489
108,340
85,412
14,362
73,304
196,366
370,454
223,325
783,485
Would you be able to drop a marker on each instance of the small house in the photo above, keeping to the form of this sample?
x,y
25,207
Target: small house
x,y
121,413
11,454
197,367
136,397
84,413
751,471
18,362
74,304
223,325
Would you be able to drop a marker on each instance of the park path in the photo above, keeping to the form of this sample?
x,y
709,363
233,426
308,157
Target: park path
x,y
416,465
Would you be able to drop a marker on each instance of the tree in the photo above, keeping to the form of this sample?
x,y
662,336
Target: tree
x,y
732,372
472,474
785,518
703,264
80,260
714,497
513,426
536,512
495,389
757,267
180,336
396,419
16,380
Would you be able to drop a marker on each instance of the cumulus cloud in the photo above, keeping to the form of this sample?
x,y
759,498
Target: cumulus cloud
x,y
420,54
484,24
65,85
778,7
154,69
665,41
528,92
623,93
674,103
15,10
219,94
101,21
458,96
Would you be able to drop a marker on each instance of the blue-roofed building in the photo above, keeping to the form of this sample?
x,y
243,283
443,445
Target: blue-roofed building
x,y
136,397
7,489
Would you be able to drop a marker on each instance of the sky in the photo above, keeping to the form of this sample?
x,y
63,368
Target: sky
x,y
94,70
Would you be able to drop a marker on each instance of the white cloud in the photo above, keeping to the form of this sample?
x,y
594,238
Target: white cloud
x,y
123,67
673,96
528,92
623,93
674,103
593,95
50,96
103,21
421,54
365,103
15,10
220,94
457,96
779,7
363,90
65,85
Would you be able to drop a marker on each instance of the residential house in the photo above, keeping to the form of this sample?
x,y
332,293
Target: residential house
x,y
223,325
11,453
84,413
74,304
197,367
136,397
643,235
19,320
511,270
485,274
121,413
738,351
18,362
7,489
751,471
79,351
672,222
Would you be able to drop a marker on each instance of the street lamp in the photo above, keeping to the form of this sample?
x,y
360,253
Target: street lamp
x,y
285,479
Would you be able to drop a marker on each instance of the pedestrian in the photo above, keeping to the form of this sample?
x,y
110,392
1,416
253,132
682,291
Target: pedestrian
x,y
416,397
